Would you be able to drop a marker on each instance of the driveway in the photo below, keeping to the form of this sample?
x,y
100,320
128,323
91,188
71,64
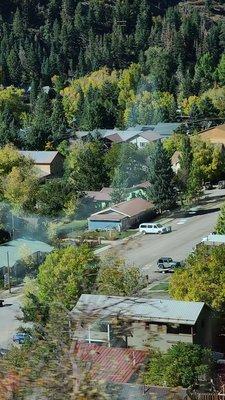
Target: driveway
x,y
8,319
187,231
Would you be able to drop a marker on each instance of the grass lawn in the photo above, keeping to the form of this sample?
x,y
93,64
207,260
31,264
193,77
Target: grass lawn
x,y
161,286
125,234
73,227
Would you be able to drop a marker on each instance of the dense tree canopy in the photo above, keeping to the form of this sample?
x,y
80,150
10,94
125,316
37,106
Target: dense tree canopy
x,y
182,365
114,64
66,274
203,278
117,279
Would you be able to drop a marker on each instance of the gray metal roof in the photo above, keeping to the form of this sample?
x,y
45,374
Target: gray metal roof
x,y
40,157
170,311
166,128
18,248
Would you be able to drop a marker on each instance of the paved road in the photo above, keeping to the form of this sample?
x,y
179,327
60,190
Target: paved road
x,y
187,231
8,319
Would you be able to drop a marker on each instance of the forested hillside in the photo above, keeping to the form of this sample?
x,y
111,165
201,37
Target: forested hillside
x,y
110,63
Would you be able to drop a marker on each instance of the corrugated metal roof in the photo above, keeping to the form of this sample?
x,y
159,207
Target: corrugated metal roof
x,y
173,311
17,248
110,364
166,128
40,157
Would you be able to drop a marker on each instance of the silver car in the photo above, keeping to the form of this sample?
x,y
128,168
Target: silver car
x,y
148,227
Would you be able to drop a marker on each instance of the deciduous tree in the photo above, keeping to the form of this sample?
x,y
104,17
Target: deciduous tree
x,y
182,365
203,278
66,274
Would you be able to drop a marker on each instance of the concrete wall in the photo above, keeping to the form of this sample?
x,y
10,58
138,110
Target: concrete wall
x,y
154,336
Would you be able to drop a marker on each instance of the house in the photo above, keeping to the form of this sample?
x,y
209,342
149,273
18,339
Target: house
x,y
135,322
102,198
166,129
139,135
117,365
175,161
214,135
122,216
118,370
139,138
48,163
13,252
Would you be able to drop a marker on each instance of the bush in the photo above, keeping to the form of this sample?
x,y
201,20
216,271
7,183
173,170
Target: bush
x,y
4,236
182,365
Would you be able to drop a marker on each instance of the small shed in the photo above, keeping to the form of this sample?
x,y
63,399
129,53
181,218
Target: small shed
x,y
122,216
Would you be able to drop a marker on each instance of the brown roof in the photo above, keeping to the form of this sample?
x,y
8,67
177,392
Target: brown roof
x,y
215,135
102,195
113,364
142,185
114,138
133,207
151,136
110,216
125,209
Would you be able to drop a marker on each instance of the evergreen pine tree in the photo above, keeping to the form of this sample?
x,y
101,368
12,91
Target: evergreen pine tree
x,y
185,160
14,66
58,120
161,178
33,93
143,26
40,130
18,25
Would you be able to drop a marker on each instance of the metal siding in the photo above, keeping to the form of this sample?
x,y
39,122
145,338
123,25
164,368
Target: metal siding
x,y
172,311
103,225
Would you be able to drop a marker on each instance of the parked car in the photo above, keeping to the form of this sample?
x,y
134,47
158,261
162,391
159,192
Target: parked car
x,y
21,337
208,186
168,264
221,185
154,228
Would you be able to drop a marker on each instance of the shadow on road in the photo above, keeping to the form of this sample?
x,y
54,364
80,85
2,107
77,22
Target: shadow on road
x,y
190,214
211,199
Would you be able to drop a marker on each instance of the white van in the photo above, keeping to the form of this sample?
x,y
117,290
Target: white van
x,y
153,228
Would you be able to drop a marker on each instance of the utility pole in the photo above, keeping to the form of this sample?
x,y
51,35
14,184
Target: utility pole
x,y
13,225
8,267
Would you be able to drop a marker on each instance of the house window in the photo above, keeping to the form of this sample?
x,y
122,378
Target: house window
x,y
185,329
173,328
179,329
142,144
